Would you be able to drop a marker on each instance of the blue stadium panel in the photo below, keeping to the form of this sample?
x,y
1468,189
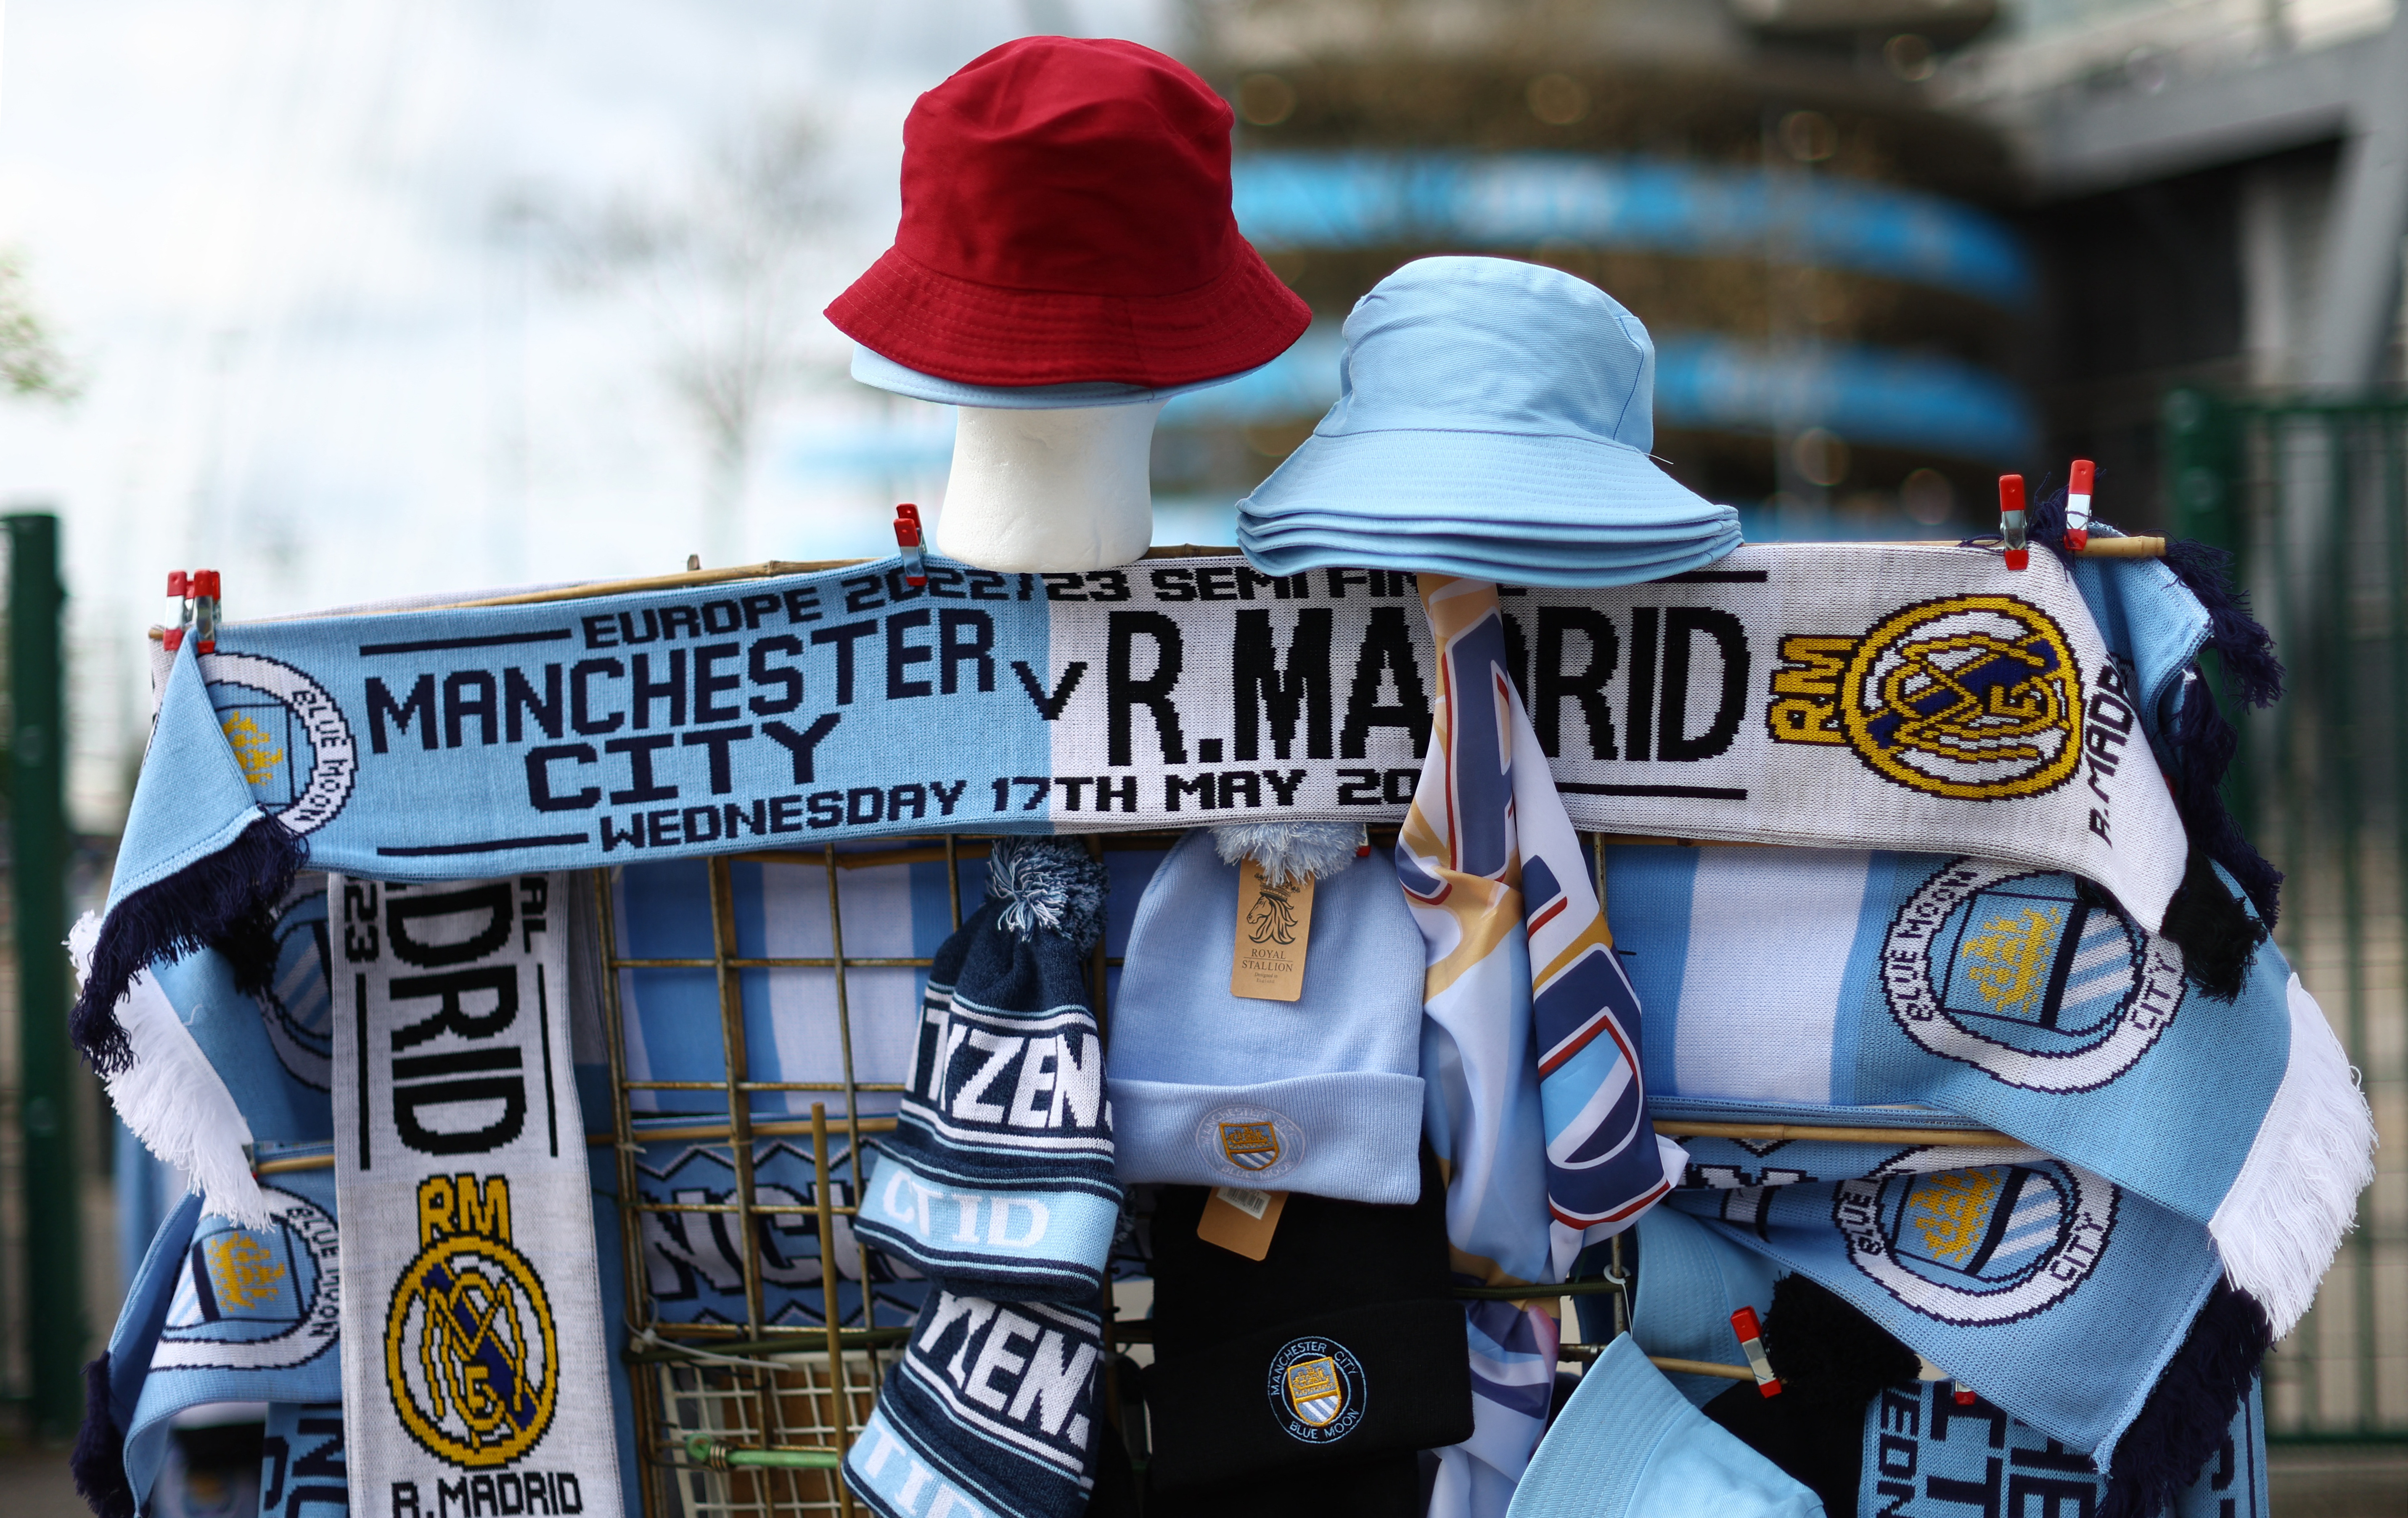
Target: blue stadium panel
x,y
1519,200
1707,384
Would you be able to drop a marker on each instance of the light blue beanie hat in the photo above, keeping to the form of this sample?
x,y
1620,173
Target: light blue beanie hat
x,y
1628,1446
1322,1094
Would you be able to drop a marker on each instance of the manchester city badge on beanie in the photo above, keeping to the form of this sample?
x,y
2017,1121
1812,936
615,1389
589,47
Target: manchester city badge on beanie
x,y
1341,1347
999,1178
992,1413
1322,1094
1629,1446
1066,221
1493,420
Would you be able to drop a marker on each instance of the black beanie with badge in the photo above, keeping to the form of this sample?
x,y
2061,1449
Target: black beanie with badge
x,y
1307,1380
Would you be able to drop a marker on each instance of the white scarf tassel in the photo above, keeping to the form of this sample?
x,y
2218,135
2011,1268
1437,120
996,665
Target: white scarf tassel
x,y
2282,1223
174,1100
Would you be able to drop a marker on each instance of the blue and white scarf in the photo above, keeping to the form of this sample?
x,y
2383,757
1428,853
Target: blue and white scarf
x,y
2045,1287
1792,985
1927,1455
224,1313
1847,695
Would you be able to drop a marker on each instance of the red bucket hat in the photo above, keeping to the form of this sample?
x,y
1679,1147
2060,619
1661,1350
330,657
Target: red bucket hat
x,y
1065,216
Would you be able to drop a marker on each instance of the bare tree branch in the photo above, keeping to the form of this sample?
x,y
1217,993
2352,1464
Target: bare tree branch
x,y
720,265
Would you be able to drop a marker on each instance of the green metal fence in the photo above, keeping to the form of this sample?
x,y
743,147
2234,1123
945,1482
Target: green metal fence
x,y
2312,499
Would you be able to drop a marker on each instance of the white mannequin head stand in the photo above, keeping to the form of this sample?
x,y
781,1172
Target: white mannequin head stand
x,y
1044,476
1058,489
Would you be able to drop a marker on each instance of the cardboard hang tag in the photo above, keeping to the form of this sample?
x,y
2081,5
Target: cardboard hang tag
x,y
1241,1219
1273,928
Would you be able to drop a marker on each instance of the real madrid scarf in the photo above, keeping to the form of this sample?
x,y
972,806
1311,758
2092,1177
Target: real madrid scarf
x,y
1847,695
1800,985
472,1306
1530,1031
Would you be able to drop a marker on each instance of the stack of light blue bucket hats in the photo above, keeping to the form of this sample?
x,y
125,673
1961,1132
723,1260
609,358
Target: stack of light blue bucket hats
x,y
1493,420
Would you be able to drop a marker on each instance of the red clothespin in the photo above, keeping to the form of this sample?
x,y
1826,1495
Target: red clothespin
x,y
909,538
208,610
1964,1394
2078,505
1751,1342
2012,521
179,610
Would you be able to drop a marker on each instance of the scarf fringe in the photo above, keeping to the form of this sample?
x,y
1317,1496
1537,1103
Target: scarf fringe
x,y
2190,1409
173,1099
2296,1196
98,1459
2202,741
2215,934
2203,744
225,901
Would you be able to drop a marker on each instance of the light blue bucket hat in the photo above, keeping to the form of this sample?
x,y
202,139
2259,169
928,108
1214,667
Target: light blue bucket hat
x,y
1628,1446
1492,416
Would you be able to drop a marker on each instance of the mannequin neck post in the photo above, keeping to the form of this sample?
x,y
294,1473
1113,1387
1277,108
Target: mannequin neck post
x,y
1062,490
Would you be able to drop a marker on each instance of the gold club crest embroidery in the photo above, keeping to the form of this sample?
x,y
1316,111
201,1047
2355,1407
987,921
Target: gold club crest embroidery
x,y
472,1357
1317,1390
1971,697
1250,1146
1314,1393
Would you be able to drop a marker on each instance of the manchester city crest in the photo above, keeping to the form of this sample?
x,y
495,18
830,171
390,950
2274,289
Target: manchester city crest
x,y
298,1007
1982,1244
1316,1388
2028,978
255,1298
1248,1143
288,735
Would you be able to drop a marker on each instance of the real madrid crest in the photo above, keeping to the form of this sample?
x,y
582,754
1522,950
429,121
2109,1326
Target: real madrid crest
x,y
1317,1390
472,1358
1971,697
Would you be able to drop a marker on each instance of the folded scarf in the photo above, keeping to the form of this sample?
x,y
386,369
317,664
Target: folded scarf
x,y
1530,1030
1796,985
2046,1288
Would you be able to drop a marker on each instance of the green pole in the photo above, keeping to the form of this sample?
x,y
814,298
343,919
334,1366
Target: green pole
x,y
54,1312
2201,436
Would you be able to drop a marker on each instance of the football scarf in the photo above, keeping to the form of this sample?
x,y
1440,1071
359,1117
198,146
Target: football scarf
x,y
1804,986
473,1301
1530,1031
2046,1288
301,1471
693,1262
1928,1456
219,1312
1847,695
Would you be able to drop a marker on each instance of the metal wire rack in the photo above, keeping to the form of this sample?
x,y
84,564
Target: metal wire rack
x,y
750,1414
